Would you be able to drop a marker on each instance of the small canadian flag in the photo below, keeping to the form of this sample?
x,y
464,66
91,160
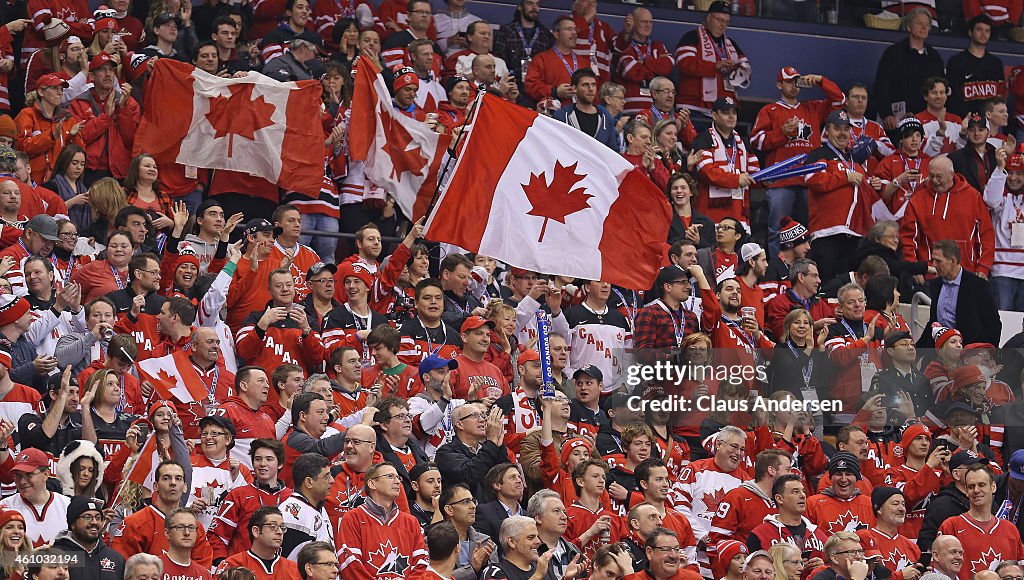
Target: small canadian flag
x,y
252,124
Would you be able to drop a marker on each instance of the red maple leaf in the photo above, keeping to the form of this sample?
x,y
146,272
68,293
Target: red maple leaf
x,y
239,114
396,143
711,500
558,199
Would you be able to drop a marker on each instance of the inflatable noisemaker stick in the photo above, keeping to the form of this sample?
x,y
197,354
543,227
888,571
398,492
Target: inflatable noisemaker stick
x,y
780,166
793,172
547,390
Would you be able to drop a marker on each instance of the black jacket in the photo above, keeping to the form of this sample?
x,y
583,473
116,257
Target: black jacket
x,y
976,315
489,516
898,267
786,372
915,383
676,231
901,73
878,572
391,457
459,464
102,563
122,299
965,162
949,502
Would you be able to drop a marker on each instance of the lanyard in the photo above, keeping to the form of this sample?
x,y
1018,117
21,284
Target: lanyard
x,y
647,49
348,11
430,341
527,47
863,357
735,326
658,116
466,311
677,328
71,266
807,369
732,150
841,156
117,277
631,310
123,402
1017,207
561,57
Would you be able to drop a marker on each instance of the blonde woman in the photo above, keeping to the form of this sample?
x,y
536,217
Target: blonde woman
x,y
106,197
789,563
13,543
504,344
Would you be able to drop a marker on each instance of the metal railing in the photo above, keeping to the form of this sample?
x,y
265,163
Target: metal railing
x,y
917,327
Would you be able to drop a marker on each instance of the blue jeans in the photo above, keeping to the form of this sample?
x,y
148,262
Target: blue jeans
x,y
323,245
1008,292
784,201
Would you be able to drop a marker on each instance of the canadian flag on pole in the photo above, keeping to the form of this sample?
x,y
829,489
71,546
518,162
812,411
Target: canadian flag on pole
x,y
538,194
141,472
401,155
169,382
253,124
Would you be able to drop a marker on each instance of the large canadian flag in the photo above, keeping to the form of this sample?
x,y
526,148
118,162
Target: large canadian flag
x,y
253,124
168,380
401,154
538,194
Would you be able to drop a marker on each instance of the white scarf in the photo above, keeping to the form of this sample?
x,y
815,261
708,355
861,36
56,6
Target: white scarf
x,y
709,53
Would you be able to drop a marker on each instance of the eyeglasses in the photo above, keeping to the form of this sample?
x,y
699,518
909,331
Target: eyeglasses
x,y
183,528
69,235
725,227
91,518
851,553
421,12
671,91
667,549
797,562
273,527
334,564
153,272
402,417
325,281
358,441
391,476
213,434
1011,578
467,501
477,415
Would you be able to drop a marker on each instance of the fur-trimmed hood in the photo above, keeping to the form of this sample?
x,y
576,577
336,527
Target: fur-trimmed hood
x,y
84,449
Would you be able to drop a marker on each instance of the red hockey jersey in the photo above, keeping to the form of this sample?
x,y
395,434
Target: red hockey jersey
x,y
229,532
371,546
833,514
918,487
638,65
768,136
985,543
740,511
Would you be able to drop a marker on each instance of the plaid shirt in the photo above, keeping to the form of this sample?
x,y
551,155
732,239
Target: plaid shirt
x,y
509,46
656,328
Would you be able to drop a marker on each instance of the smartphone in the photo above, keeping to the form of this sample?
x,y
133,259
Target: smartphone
x,y
143,432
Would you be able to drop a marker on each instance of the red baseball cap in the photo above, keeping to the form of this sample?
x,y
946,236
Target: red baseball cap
x,y
474,322
30,460
1015,162
51,80
788,73
101,59
529,355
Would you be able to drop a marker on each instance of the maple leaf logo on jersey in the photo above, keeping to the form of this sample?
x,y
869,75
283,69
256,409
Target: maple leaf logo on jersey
x,y
713,499
396,146
107,564
387,561
985,560
845,522
558,199
239,114
900,558
293,509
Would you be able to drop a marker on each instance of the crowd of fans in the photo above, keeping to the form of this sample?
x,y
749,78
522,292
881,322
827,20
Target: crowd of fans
x,y
192,385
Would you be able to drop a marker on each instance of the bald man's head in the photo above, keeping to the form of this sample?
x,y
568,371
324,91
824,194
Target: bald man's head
x,y
484,70
940,174
360,443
